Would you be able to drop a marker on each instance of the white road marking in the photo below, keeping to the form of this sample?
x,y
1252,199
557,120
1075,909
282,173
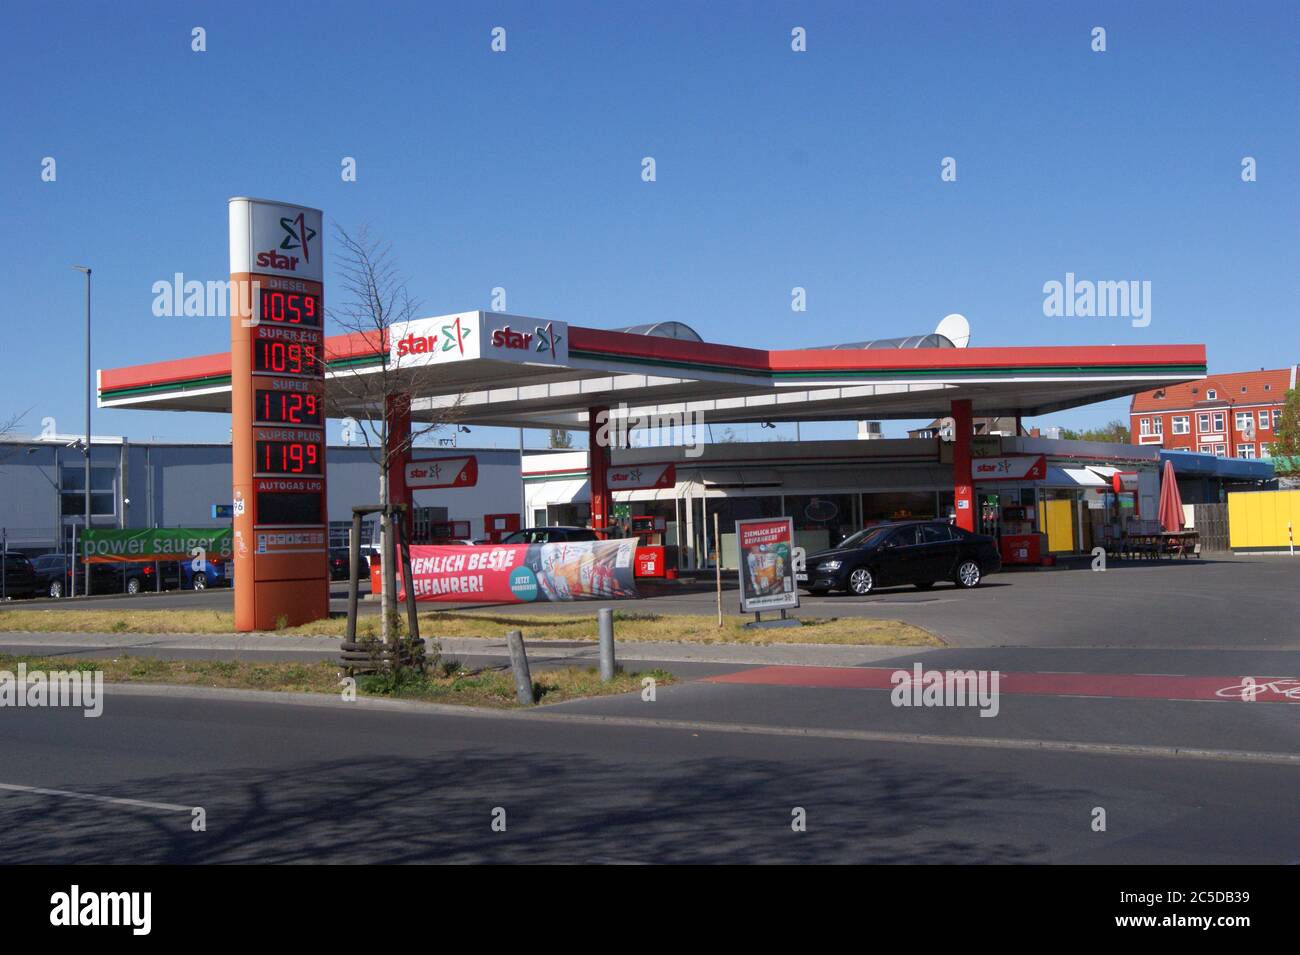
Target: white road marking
x,y
114,800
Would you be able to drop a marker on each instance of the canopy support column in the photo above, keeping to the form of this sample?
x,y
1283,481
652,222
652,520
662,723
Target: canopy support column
x,y
963,489
598,441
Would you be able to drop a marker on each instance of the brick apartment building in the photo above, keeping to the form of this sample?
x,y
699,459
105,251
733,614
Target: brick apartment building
x,y
1232,416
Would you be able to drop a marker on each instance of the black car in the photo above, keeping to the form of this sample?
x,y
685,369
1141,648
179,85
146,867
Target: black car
x,y
340,559
911,552
19,578
53,575
550,535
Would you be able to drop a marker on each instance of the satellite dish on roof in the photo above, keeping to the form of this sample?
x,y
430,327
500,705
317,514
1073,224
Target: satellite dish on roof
x,y
955,328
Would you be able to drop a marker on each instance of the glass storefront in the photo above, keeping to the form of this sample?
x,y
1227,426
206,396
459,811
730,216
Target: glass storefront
x,y
729,510
878,506
821,520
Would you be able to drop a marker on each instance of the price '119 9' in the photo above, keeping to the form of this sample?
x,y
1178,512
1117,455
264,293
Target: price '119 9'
x,y
289,457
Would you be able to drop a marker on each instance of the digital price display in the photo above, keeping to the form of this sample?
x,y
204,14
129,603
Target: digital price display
x,y
281,407
287,507
286,358
289,457
290,308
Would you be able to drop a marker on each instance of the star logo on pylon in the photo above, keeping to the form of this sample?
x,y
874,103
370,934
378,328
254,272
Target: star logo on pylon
x,y
298,234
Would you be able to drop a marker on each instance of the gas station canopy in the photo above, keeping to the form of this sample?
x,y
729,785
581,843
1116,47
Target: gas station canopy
x,y
515,371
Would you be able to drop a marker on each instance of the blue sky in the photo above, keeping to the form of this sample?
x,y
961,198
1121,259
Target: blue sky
x,y
775,169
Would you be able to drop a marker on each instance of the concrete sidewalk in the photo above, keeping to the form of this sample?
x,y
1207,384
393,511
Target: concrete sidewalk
x,y
579,651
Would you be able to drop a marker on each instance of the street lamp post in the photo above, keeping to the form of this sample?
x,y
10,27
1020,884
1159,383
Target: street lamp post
x,y
86,271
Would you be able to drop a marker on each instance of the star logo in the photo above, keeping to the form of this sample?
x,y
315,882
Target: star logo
x,y
454,336
548,339
298,234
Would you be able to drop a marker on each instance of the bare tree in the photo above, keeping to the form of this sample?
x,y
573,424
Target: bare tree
x,y
7,427
374,299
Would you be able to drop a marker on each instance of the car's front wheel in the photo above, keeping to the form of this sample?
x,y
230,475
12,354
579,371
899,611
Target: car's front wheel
x,y
861,582
968,574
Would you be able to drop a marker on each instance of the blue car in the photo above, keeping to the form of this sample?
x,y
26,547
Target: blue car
x,y
214,574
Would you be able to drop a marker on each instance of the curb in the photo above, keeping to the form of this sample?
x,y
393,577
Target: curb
x,y
540,714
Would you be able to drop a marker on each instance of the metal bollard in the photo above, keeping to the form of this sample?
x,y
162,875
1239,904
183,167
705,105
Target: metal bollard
x,y
519,666
605,618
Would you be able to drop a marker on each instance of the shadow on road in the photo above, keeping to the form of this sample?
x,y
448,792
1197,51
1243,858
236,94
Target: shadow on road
x,y
559,808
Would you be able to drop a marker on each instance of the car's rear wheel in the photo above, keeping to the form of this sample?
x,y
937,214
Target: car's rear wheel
x,y
56,588
861,581
133,585
968,574
200,581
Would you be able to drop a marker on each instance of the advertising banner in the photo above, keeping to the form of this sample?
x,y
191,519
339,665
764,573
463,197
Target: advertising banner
x,y
766,564
159,543
521,573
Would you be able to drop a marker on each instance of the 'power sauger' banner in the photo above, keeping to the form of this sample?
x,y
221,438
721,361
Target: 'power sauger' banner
x,y
519,573
158,543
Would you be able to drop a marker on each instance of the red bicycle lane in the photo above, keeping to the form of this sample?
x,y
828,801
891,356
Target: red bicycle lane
x,y
1223,689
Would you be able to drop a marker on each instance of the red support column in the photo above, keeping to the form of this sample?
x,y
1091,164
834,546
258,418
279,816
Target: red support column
x,y
963,488
598,465
398,419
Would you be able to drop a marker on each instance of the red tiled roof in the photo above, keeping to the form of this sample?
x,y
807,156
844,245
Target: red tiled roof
x,y
1228,388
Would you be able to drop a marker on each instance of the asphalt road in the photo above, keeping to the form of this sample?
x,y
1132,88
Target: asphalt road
x,y
339,783
1110,702
1234,603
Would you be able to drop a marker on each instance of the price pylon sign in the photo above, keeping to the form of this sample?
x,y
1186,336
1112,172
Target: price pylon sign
x,y
277,364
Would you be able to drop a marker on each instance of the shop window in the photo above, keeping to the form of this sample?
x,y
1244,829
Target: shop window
x,y
567,515
821,520
897,506
729,510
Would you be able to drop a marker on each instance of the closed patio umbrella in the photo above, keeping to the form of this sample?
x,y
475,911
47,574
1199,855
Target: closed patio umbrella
x,y
1171,502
